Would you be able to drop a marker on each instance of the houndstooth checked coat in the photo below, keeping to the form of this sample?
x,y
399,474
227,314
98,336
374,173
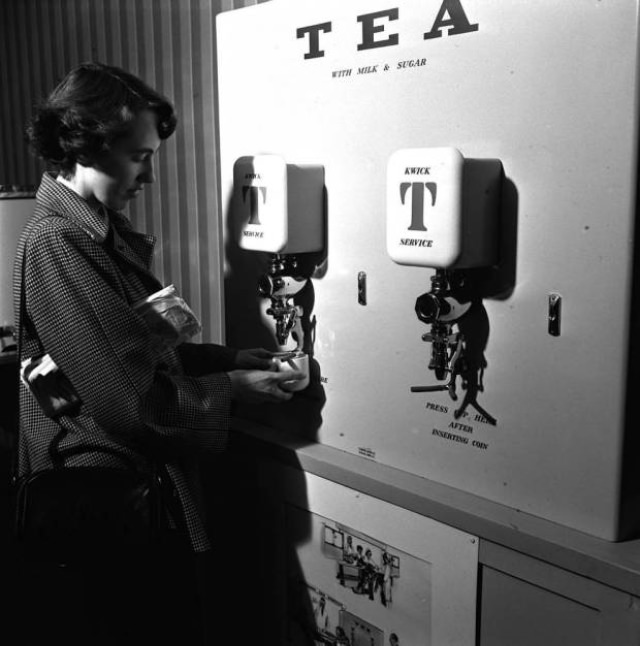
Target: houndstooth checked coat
x,y
81,276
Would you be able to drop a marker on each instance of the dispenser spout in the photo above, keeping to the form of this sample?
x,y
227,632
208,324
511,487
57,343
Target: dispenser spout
x,y
281,285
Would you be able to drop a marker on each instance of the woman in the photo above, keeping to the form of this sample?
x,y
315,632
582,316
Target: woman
x,y
82,268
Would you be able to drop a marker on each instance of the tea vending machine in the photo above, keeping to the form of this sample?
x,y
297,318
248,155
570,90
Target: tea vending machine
x,y
471,311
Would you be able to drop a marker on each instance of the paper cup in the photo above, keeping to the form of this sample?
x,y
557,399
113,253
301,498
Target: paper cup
x,y
300,362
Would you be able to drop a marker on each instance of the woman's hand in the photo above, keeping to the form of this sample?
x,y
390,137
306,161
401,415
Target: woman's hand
x,y
255,358
260,386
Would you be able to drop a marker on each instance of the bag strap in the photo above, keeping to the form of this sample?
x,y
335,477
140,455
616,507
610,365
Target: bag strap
x,y
58,456
23,304
55,454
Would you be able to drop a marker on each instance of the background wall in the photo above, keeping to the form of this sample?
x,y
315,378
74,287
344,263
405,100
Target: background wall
x,y
171,44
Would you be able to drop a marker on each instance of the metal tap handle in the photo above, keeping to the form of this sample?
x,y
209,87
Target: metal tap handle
x,y
285,315
429,389
450,386
446,363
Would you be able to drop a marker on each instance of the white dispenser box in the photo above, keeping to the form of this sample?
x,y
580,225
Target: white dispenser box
x,y
442,209
278,207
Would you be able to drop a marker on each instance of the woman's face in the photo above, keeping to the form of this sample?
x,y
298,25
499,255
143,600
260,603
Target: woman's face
x,y
119,174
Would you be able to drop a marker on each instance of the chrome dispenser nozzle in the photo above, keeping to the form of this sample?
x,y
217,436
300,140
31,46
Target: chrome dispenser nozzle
x,y
441,310
281,285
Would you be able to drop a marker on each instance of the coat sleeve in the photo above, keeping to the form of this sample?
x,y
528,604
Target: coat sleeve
x,y
76,300
204,358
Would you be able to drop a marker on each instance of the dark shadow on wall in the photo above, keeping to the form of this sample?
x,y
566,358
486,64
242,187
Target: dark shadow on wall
x,y
473,286
630,502
499,282
256,568
254,544
493,283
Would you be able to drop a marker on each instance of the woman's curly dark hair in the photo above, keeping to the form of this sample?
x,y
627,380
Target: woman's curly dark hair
x,y
91,108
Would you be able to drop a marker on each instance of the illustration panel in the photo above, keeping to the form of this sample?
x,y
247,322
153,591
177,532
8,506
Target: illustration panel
x,y
364,572
358,590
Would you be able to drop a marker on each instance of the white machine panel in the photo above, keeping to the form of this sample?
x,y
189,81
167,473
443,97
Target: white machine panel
x,y
548,91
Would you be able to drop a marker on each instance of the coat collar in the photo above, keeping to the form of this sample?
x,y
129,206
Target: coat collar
x,y
57,197
136,248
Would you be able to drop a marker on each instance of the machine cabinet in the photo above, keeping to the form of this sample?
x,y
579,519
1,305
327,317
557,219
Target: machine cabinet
x,y
526,602
505,578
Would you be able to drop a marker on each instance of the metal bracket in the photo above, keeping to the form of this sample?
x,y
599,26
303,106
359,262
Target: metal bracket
x,y
362,288
554,314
